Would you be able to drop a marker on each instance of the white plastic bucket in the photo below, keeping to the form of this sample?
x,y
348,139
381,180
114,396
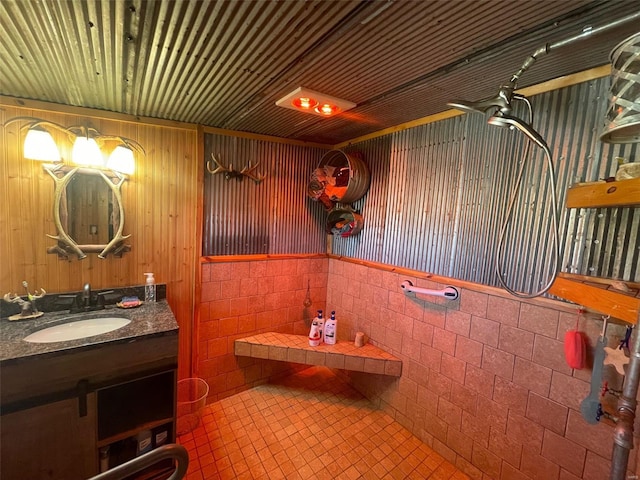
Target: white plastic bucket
x,y
192,397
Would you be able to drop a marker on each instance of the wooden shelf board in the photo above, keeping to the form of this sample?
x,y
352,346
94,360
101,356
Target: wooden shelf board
x,y
597,294
134,431
623,193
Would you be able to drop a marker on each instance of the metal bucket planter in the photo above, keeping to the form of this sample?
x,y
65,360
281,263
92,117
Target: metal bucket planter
x,y
344,177
622,122
344,222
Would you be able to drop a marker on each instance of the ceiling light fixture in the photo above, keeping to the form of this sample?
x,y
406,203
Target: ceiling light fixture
x,y
316,103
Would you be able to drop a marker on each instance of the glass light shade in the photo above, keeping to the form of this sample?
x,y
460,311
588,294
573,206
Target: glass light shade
x,y
39,145
86,152
327,109
121,160
304,103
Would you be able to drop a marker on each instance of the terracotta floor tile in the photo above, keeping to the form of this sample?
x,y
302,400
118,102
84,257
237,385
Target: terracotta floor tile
x,y
205,459
258,470
240,468
208,471
310,425
227,474
223,464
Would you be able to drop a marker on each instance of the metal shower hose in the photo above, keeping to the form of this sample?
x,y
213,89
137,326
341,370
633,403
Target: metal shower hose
x,y
509,213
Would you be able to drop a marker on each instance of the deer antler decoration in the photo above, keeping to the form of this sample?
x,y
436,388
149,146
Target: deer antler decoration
x,y
229,171
28,306
248,172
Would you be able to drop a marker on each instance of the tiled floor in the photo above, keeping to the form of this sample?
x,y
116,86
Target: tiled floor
x,y
310,425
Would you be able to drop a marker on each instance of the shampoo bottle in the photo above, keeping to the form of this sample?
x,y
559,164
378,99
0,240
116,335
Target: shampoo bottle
x,y
330,328
320,321
150,289
314,334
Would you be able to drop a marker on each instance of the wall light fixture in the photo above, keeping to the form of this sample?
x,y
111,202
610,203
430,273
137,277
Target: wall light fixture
x,y
39,145
89,146
316,103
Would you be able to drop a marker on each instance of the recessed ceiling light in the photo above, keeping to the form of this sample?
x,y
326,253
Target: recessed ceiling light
x,y
316,103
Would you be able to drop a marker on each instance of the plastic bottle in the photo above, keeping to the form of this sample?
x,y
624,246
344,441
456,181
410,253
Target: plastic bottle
x,y
160,436
314,334
144,442
320,322
330,330
150,289
104,459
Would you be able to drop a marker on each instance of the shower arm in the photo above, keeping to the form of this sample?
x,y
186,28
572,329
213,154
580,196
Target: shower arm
x,y
548,47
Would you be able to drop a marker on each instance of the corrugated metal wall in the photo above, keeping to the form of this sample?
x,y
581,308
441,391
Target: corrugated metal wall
x,y
275,216
439,194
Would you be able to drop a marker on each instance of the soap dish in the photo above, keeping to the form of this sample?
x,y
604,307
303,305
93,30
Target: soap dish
x,y
129,302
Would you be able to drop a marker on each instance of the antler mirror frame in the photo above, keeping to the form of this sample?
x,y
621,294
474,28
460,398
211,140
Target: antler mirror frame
x,y
62,175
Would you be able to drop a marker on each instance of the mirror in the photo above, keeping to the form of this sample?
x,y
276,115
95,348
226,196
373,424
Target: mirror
x,y
88,212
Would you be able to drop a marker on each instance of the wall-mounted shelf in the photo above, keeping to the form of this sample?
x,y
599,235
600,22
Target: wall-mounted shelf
x,y
602,294
623,193
295,349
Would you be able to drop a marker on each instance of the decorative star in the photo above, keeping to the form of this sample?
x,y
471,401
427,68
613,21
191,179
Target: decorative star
x,y
617,358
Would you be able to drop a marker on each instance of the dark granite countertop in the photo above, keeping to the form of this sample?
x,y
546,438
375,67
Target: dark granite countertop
x,y
148,320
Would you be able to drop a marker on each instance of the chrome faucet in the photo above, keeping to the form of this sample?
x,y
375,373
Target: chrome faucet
x,y
86,295
86,300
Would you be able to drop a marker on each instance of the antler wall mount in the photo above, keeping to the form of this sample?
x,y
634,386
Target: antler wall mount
x,y
70,210
230,172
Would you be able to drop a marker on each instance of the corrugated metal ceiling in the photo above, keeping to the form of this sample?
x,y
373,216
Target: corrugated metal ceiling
x,y
225,63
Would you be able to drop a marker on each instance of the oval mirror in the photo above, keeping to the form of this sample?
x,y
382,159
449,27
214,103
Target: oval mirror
x,y
88,212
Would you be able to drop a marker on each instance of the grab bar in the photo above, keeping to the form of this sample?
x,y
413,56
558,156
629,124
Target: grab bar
x,y
172,450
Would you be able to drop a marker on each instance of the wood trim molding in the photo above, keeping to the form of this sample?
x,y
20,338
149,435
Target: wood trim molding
x,y
266,138
259,257
91,112
548,86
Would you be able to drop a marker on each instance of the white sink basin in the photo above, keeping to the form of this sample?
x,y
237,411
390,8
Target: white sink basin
x,y
79,329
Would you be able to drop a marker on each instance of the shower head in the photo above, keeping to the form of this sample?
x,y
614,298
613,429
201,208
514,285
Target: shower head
x,y
501,101
505,120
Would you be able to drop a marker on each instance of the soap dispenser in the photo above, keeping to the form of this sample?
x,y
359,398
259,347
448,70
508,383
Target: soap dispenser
x,y
150,289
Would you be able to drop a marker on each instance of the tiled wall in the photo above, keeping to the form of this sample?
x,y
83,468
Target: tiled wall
x,y
241,299
484,378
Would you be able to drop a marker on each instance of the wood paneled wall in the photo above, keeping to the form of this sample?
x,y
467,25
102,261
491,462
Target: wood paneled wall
x,y
160,201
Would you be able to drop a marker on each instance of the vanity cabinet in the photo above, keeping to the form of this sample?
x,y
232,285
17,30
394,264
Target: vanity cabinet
x,y
70,439
50,441
66,406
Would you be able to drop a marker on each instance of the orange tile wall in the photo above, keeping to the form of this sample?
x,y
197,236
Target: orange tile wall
x,y
484,378
241,299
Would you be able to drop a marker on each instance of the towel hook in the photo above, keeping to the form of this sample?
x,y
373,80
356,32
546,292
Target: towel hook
x,y
605,319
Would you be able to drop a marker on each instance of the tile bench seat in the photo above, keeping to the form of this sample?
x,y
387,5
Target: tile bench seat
x,y
295,348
